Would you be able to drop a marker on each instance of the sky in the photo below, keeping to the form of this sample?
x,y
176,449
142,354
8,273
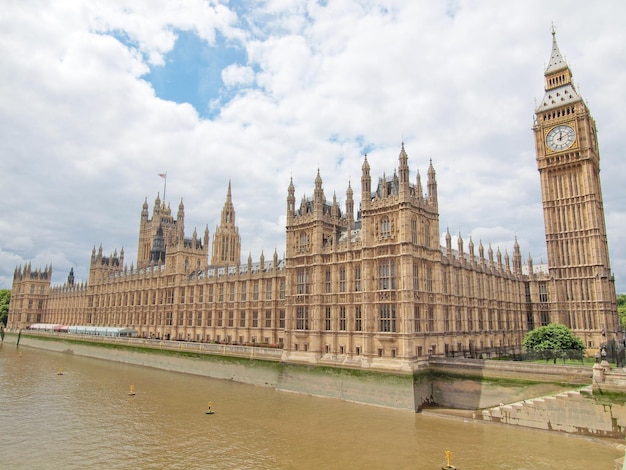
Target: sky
x,y
98,97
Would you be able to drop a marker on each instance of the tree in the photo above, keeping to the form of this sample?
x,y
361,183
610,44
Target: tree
x,y
5,298
621,308
553,341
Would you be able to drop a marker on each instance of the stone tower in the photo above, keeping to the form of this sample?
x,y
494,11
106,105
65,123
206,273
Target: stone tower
x,y
226,241
159,233
582,288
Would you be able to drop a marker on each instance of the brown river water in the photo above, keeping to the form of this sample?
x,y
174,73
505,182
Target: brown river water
x,y
85,418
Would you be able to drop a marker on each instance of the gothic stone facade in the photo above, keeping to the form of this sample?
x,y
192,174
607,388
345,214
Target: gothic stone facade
x,y
375,290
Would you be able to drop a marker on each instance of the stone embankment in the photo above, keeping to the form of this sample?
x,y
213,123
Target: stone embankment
x,y
575,412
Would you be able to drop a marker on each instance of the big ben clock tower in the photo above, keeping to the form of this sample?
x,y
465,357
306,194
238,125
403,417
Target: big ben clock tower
x,y
581,292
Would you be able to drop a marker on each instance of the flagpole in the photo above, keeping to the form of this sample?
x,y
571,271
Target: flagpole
x,y
164,185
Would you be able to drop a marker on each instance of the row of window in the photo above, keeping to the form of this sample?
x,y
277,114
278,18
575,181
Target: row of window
x,y
423,320
186,295
218,319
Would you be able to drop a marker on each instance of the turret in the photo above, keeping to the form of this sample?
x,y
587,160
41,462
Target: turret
x,y
366,185
144,210
419,189
517,258
291,202
403,169
349,207
432,185
180,219
318,196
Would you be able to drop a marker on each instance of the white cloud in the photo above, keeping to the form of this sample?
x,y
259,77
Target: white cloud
x,y
237,75
83,135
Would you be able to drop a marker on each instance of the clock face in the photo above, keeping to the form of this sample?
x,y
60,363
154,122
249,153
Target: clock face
x,y
560,137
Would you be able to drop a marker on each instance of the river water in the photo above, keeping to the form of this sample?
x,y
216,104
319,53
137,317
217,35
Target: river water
x,y
85,417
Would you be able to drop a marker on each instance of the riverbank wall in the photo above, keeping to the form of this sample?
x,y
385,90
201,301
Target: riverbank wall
x,y
497,391
249,365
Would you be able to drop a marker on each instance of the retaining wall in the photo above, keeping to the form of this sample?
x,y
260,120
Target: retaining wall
x,y
455,383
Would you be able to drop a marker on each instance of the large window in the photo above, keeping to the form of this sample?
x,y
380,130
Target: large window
x,y
268,290
342,280
386,275
302,318
387,318
543,292
417,319
327,319
357,279
304,241
303,279
427,234
328,281
358,321
385,227
429,279
431,318
342,318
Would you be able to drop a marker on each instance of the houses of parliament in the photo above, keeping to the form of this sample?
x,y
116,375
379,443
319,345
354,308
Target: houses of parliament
x,y
367,289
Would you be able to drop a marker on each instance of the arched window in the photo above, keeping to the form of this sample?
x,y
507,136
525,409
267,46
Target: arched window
x,y
414,231
385,227
304,240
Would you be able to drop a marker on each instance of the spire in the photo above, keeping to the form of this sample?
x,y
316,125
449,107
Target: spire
x,y
559,90
226,240
419,189
291,201
144,210
556,63
228,211
432,184
366,184
350,205
517,258
404,167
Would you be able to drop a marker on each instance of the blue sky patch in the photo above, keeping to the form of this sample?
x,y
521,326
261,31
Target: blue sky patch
x,y
192,72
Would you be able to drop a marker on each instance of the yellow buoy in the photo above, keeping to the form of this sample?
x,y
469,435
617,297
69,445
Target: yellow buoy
x,y
448,466
210,411
132,390
60,371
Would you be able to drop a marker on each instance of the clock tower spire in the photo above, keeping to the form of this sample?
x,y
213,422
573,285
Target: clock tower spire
x,y
581,293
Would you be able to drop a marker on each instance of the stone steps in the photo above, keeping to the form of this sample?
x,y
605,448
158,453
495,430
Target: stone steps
x,y
570,411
